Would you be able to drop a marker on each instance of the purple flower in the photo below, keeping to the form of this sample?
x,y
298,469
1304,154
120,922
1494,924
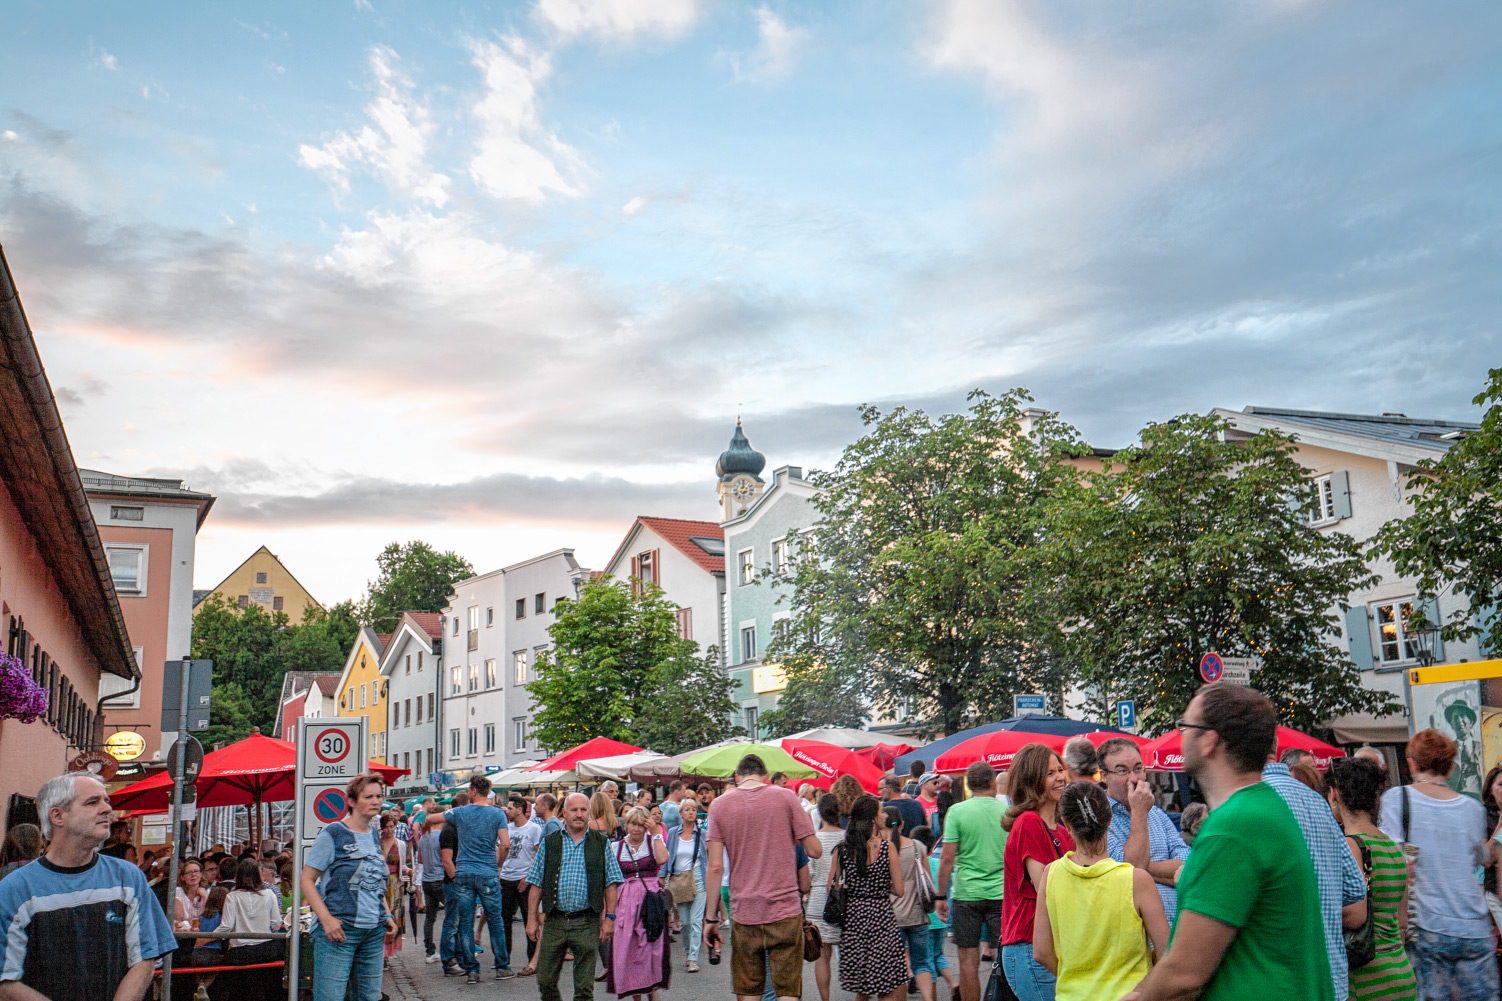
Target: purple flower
x,y
20,697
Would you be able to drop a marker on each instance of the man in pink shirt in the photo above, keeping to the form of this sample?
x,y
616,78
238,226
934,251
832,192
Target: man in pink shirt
x,y
760,825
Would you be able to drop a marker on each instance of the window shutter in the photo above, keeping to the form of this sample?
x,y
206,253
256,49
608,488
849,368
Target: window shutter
x,y
1359,636
1486,620
656,566
1340,485
1431,612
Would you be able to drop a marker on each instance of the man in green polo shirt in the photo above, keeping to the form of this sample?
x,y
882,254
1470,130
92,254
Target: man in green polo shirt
x,y
1249,917
974,844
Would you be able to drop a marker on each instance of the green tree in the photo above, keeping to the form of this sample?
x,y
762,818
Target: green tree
x,y
817,694
413,577
1453,537
614,655
918,596
231,716
687,703
1192,542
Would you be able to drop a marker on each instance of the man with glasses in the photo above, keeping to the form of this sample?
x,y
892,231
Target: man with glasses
x,y
1140,831
1248,898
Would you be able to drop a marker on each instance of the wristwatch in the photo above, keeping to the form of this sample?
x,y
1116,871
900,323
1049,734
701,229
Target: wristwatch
x,y
610,916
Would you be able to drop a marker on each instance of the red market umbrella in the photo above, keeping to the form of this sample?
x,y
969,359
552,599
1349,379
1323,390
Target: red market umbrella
x,y
831,761
884,756
596,747
1099,737
1166,754
258,769
996,748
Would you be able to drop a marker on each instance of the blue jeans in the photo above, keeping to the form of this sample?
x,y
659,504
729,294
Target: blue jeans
x,y
353,965
486,892
691,918
936,949
1442,963
1030,980
448,941
917,938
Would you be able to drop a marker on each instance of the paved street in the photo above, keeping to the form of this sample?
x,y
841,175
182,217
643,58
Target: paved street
x,y
411,979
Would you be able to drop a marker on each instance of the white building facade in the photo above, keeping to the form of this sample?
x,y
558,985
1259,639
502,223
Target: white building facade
x,y
687,560
412,666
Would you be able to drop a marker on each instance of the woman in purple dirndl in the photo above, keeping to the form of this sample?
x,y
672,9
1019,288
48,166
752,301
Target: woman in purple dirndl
x,y
635,966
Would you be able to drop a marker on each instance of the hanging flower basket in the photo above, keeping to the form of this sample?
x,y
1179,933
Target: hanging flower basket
x,y
20,697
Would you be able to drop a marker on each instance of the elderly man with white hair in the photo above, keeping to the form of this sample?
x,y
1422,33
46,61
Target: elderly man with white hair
x,y
78,926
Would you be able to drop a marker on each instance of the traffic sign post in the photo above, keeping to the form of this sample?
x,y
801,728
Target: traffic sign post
x,y
330,752
1237,670
1211,668
1126,715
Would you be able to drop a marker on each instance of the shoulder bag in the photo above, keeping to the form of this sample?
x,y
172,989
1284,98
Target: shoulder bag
x,y
927,894
1410,861
1361,943
835,902
681,884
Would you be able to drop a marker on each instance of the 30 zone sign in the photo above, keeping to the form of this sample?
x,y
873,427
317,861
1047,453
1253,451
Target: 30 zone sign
x,y
331,751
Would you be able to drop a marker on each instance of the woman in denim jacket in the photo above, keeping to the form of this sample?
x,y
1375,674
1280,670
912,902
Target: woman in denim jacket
x,y
687,852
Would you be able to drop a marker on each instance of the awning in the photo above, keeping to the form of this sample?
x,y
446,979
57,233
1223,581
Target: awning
x,y
1364,728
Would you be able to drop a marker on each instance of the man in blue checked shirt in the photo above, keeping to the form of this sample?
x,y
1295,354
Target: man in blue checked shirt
x,y
1342,888
1140,831
574,882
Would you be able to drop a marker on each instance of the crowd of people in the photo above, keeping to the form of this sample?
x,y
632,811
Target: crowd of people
x,y
1063,871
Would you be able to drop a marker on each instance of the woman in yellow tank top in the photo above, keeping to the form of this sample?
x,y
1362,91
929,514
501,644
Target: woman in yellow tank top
x,y
1095,915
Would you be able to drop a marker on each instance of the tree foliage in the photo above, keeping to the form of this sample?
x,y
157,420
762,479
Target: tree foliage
x,y
1453,538
1193,542
412,577
252,648
918,597
619,669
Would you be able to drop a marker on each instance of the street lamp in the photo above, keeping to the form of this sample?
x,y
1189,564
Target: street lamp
x,y
1424,639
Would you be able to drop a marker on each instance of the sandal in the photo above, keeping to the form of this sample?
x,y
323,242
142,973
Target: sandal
x,y
527,971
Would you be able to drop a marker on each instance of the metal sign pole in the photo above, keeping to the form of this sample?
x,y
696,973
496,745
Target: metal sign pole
x,y
177,809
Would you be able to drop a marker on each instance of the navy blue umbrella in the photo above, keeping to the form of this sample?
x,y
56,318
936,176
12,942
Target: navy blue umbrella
x,y
1027,723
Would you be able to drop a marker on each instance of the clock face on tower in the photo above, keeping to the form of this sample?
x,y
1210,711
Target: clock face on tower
x,y
742,488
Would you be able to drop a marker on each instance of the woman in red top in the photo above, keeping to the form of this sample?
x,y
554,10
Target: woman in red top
x,y
1035,837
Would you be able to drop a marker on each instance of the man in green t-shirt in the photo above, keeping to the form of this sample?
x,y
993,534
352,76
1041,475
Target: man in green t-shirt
x,y
974,844
1249,917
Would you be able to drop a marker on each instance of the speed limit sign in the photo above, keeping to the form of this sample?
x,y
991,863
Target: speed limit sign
x,y
331,749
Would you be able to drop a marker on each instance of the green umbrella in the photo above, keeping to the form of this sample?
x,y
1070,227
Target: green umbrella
x,y
720,762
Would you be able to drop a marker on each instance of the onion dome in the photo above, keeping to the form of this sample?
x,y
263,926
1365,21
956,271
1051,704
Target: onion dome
x,y
740,457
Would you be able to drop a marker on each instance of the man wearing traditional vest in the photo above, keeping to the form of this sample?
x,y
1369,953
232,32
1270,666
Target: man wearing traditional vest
x,y
571,903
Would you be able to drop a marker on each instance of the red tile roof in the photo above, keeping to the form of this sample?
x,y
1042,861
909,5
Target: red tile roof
x,y
679,533
429,622
328,686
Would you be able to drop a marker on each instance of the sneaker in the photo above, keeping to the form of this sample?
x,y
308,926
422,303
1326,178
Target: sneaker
x,y
201,994
479,949
693,966
473,978
452,970
505,973
431,957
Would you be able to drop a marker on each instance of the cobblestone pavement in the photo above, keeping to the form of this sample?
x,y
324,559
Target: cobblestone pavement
x,y
410,979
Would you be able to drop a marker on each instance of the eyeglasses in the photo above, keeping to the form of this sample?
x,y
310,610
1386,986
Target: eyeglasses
x,y
1183,725
1137,769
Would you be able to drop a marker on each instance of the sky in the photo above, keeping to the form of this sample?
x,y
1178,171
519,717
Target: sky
x,y
501,275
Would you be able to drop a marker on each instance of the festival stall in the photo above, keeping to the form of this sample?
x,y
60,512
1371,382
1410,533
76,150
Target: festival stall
x,y
1166,754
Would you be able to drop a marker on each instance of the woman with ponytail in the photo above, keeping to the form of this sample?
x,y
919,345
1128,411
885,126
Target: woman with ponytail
x,y
873,961
1097,919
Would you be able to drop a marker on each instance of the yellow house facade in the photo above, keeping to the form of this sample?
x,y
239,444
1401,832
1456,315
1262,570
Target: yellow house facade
x,y
362,689
262,580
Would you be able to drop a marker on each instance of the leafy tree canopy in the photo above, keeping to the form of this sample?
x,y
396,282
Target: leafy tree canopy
x,y
413,577
1191,542
1453,538
919,597
619,669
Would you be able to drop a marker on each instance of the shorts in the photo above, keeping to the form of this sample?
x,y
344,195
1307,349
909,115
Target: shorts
x,y
936,949
752,946
970,917
916,938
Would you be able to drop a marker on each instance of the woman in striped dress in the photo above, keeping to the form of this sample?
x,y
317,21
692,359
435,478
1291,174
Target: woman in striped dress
x,y
1353,786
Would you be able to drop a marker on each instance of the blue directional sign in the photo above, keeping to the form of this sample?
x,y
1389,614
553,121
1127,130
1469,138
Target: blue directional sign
x,y
1032,702
1126,714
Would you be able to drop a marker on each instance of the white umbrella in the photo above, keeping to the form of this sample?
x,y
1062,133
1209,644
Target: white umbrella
x,y
841,737
666,769
534,780
617,766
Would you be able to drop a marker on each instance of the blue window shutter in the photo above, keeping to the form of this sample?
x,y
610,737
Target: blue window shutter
x,y
1340,486
1431,612
1359,632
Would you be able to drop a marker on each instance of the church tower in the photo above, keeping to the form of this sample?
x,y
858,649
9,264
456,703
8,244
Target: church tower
x,y
739,469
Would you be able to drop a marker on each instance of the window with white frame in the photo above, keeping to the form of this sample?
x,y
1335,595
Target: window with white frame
x,y
519,734
374,743
489,738
1324,499
474,627
453,743
748,642
127,513
383,743
519,664
456,680
745,567
456,625
128,569
752,717
474,741
490,673
362,696
780,556
375,692
474,677
113,684
1393,639
489,616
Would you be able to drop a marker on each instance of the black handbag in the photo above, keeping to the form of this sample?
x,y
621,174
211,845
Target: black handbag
x,y
835,903
1361,943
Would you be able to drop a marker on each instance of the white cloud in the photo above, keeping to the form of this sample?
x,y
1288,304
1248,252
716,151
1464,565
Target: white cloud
x,y
634,206
775,52
515,157
106,61
619,20
9,136
394,147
